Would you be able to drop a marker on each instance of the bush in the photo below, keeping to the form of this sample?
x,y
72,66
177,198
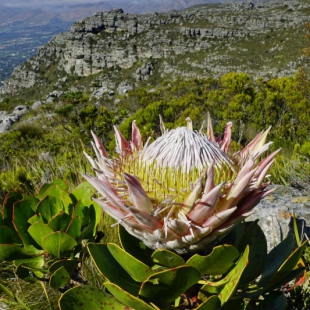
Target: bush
x,y
28,130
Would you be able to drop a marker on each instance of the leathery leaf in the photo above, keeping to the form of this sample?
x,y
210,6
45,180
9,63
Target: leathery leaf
x,y
111,269
164,287
225,287
88,298
275,258
234,277
59,278
218,262
135,247
212,303
126,298
58,244
167,258
272,301
136,269
287,271
38,231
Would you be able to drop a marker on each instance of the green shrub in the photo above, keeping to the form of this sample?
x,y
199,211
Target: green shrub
x,y
30,130
305,149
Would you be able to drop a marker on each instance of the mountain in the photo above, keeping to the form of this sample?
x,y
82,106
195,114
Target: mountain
x,y
117,48
24,29
43,14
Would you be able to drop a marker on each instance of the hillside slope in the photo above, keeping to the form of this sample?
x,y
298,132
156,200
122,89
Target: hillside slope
x,y
24,29
116,48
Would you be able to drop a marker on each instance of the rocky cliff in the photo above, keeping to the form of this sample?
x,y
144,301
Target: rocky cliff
x,y
260,38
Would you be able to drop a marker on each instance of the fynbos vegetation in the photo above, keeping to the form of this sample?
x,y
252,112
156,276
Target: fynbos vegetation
x,y
180,240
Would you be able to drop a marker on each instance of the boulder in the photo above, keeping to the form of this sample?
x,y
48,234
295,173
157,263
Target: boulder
x,y
7,120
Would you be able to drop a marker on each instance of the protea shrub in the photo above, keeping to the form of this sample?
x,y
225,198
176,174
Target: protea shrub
x,y
184,191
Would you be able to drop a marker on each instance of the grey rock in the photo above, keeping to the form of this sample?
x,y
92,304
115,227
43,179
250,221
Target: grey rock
x,y
7,120
3,114
144,71
124,88
98,93
53,95
20,110
276,211
36,105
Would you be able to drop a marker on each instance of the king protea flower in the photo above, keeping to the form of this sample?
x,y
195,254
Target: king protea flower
x,y
184,190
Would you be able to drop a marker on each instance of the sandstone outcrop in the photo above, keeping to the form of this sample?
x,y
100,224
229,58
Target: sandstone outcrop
x,y
207,40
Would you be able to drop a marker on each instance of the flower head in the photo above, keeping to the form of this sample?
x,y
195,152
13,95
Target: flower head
x,y
184,190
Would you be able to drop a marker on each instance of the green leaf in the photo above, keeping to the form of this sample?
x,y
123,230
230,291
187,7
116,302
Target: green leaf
x,y
126,298
286,268
82,211
234,276
30,267
78,207
25,274
240,235
225,287
88,298
63,200
48,208
83,193
9,201
90,228
9,252
86,184
135,268
258,253
31,262
22,211
296,231
212,303
275,258
111,269
167,258
5,234
58,244
68,264
292,275
38,231
60,183
59,278
60,222
272,301
135,247
245,233
234,303
75,227
218,262
164,287
211,288
9,235
35,218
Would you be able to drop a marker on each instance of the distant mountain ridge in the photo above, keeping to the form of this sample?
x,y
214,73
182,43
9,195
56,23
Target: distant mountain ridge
x,y
24,29
116,49
78,11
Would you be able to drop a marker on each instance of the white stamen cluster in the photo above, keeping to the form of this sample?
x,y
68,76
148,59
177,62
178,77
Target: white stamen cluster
x,y
190,150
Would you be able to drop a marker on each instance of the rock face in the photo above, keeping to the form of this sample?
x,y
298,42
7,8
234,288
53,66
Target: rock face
x,y
262,38
7,120
275,214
